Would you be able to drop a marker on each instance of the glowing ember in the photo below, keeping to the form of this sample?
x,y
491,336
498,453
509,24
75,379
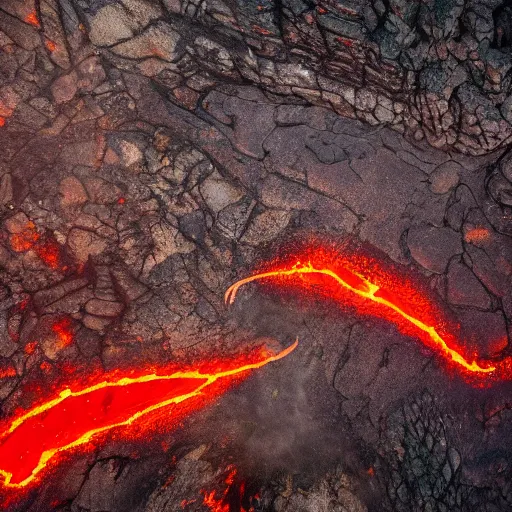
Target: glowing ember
x,y
342,279
30,347
6,110
477,235
63,329
8,371
26,239
50,45
48,250
32,19
74,418
221,504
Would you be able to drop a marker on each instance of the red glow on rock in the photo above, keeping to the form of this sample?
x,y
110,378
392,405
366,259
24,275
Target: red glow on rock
x,y
363,283
6,109
47,249
64,331
32,19
261,30
38,437
345,42
477,235
26,239
2,122
30,347
49,252
221,503
8,371
46,367
50,45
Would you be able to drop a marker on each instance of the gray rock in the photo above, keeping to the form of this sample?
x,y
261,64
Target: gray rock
x,y
266,226
219,193
65,88
81,153
7,345
433,247
111,24
159,41
72,192
6,196
445,177
464,289
107,308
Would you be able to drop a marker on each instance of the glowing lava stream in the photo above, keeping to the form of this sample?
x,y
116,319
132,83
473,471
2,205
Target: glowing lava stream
x,y
74,417
368,292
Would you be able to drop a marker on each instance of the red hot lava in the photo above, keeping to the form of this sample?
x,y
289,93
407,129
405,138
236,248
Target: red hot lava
x,y
221,503
35,438
29,238
63,328
365,284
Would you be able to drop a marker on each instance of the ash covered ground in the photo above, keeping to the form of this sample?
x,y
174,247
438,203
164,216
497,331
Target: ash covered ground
x,y
152,153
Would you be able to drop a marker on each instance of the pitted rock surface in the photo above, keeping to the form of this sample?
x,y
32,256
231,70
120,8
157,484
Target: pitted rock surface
x,y
152,153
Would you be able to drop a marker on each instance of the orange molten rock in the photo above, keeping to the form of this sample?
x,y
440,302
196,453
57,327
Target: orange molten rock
x,y
341,278
221,503
74,418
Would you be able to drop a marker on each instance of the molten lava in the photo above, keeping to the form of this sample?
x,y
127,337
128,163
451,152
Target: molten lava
x,y
73,418
343,279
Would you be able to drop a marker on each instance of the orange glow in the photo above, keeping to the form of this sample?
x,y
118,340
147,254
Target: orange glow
x,y
30,348
33,439
32,19
221,504
2,122
50,45
26,239
46,367
477,235
48,250
63,329
6,110
7,372
361,282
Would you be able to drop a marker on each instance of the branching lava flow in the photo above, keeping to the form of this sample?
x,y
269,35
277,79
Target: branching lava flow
x,y
389,303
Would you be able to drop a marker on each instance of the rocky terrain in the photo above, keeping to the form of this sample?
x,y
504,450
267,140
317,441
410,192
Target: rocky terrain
x,y
153,152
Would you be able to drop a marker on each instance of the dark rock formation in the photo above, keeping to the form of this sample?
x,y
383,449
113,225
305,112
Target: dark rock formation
x,y
152,152
436,69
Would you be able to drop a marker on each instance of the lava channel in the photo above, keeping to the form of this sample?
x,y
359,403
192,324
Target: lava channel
x,y
30,442
340,281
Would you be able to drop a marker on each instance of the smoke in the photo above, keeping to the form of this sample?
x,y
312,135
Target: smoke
x,y
286,418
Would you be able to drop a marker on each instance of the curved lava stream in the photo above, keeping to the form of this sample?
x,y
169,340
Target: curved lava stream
x,y
360,286
75,417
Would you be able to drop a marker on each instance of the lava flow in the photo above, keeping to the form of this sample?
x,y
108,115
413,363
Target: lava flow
x,y
342,278
74,418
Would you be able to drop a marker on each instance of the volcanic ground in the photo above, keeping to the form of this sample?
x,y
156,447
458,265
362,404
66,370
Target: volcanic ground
x,y
154,152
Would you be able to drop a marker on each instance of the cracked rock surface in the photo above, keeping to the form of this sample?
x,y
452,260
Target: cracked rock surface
x,y
154,152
